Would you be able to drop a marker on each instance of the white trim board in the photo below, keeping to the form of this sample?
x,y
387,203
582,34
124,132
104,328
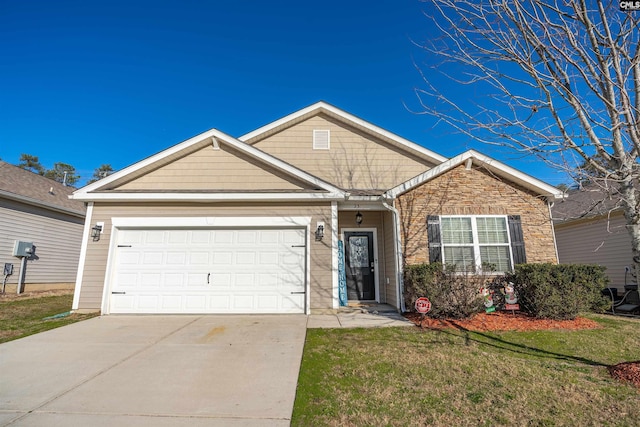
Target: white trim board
x,y
205,197
493,165
86,193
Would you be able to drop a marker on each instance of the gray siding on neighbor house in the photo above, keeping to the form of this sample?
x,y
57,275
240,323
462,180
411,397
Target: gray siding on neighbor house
x,y
56,236
596,241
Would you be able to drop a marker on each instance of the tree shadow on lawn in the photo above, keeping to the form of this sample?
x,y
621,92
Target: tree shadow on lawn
x,y
502,344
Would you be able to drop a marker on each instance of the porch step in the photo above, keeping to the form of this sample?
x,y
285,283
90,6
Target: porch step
x,y
367,307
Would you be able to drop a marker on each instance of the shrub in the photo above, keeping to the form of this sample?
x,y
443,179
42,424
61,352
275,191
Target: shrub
x,y
452,294
559,291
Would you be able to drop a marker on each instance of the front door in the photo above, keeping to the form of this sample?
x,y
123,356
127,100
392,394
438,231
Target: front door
x,y
360,265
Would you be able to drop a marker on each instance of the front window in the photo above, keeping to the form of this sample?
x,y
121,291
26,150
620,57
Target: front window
x,y
472,241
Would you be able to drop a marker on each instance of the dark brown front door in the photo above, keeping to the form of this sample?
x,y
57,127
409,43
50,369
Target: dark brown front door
x,y
360,265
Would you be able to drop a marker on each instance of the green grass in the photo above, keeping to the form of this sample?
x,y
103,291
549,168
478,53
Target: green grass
x,y
407,376
22,317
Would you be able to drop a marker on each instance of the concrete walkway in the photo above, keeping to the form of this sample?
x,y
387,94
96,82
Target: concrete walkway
x,y
375,316
155,371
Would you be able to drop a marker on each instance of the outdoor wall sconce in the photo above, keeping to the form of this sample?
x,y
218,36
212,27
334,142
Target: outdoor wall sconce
x,y
358,218
95,232
319,232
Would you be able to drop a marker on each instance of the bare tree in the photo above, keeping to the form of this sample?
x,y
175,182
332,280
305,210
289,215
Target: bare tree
x,y
557,79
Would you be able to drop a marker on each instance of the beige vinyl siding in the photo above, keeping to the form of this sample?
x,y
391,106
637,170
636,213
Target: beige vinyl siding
x,y
597,241
56,236
321,284
210,169
355,160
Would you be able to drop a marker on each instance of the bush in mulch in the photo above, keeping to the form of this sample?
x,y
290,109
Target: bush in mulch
x,y
560,291
453,294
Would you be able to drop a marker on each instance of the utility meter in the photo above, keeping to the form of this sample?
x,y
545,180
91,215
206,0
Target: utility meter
x,y
22,249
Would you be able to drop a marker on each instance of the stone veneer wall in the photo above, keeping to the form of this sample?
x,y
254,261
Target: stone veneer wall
x,y
474,192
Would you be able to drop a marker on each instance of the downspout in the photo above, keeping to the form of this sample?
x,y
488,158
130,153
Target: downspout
x,y
553,230
398,257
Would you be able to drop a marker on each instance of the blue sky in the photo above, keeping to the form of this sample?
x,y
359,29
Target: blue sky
x,y
88,83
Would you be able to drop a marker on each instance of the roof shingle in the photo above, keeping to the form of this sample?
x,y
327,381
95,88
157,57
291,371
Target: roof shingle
x,y
37,190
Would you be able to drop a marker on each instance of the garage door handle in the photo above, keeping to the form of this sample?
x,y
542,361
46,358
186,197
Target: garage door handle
x,y
208,275
118,293
296,293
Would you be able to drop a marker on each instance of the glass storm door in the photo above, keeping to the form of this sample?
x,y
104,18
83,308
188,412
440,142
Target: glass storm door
x,y
360,265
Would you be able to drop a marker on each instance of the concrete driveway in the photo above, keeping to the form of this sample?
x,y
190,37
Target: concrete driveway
x,y
155,371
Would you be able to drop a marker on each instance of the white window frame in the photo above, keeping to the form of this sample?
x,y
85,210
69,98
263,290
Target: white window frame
x,y
476,244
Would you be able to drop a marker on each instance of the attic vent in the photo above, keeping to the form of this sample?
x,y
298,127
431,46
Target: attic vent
x,y
321,139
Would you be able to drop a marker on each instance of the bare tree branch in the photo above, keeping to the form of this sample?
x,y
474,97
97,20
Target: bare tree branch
x,y
560,80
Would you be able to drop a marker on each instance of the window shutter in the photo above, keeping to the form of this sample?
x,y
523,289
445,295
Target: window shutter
x,y
435,242
517,240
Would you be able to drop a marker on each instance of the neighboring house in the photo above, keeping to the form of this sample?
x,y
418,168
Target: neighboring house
x,y
217,224
590,229
37,210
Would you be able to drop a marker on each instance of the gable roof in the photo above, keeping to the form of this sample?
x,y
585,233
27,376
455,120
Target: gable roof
x,y
36,190
592,200
102,189
343,116
494,166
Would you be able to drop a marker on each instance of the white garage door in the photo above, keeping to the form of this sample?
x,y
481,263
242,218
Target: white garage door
x,y
209,271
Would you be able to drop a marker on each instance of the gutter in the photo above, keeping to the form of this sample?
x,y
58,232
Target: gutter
x,y
35,202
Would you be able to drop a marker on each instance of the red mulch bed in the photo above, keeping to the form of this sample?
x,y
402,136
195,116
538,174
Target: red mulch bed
x,y
508,321
502,321
627,371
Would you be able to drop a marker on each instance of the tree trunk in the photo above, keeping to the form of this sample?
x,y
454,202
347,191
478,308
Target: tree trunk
x,y
632,217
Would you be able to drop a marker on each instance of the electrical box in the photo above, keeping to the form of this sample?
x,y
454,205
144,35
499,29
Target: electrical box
x,y
8,269
22,249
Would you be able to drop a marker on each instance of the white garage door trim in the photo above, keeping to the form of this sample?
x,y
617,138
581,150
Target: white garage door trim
x,y
122,223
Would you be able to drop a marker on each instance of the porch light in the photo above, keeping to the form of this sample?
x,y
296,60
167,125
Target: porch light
x,y
320,232
358,218
96,230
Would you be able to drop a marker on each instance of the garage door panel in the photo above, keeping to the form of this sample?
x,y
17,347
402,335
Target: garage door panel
x,y
150,280
200,237
209,271
176,258
268,258
290,303
177,236
195,302
198,280
171,303
222,237
247,237
244,280
174,280
154,237
222,258
245,258
199,257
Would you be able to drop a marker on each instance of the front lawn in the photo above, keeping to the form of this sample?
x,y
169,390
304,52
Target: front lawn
x,y
25,315
408,376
